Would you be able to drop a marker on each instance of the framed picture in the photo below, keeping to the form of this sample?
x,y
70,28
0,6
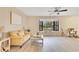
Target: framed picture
x,y
15,19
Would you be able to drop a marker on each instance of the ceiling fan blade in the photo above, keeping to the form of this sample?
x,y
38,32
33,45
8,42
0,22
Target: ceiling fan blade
x,y
50,11
56,10
63,10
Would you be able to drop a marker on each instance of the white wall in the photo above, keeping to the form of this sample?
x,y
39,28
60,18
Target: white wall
x,y
33,23
65,22
70,22
5,19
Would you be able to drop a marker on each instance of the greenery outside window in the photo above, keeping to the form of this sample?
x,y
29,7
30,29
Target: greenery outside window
x,y
49,25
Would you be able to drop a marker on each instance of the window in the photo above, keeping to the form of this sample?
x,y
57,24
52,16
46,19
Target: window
x,y
40,25
55,25
49,25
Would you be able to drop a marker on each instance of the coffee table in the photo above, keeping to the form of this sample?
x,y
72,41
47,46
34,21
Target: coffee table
x,y
37,37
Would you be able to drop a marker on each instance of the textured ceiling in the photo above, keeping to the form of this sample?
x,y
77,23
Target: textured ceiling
x,y
43,11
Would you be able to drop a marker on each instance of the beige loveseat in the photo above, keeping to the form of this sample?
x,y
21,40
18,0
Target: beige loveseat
x,y
18,38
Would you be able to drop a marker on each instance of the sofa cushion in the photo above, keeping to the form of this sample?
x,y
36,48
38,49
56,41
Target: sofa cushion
x,y
21,33
13,33
26,33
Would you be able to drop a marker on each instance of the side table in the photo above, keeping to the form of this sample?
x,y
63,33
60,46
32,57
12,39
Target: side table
x,y
5,45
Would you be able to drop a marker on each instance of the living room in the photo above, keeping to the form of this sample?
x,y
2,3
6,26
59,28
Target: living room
x,y
57,25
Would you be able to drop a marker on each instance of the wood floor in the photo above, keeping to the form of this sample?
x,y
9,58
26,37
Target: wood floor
x,y
51,44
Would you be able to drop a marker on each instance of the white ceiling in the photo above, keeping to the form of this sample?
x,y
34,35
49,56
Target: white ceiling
x,y
43,11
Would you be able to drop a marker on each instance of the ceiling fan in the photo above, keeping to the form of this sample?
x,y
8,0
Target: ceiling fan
x,y
57,10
